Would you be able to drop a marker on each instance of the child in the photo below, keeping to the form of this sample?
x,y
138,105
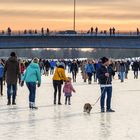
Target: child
x,y
67,89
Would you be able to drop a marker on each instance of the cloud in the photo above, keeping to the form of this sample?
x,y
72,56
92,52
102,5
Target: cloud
x,y
87,2
35,14
66,15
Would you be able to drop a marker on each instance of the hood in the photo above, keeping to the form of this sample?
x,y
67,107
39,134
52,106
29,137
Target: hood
x,y
34,65
12,59
68,83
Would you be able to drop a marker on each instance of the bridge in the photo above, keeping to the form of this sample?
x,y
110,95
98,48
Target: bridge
x,y
70,41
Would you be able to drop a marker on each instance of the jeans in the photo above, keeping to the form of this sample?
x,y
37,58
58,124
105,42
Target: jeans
x,y
67,98
51,70
122,76
74,73
57,86
136,74
32,91
89,76
95,77
11,91
104,91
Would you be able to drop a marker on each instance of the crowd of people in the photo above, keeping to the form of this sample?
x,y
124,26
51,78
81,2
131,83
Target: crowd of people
x,y
102,71
46,31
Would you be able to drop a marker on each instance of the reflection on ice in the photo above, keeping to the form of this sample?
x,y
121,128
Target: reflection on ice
x,y
70,122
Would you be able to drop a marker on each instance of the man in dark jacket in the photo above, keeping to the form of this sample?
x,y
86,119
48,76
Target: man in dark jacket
x,y
74,70
104,74
135,68
11,72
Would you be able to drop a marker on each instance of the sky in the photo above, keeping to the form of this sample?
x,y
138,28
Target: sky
x,y
58,14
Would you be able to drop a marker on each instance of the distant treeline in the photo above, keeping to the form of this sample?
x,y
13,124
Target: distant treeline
x,y
72,53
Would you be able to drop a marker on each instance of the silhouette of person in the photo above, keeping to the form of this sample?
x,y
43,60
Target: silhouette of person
x,y
48,31
91,30
110,31
138,32
9,31
96,30
113,30
42,31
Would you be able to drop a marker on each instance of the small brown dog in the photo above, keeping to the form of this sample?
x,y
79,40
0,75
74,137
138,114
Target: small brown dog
x,y
87,107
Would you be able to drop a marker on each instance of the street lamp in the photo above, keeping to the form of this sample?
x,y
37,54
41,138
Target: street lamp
x,y
74,15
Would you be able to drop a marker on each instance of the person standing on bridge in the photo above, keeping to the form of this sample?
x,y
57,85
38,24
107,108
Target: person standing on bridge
x,y
110,31
96,30
138,32
12,73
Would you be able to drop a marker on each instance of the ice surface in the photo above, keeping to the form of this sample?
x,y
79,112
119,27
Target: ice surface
x,y
66,122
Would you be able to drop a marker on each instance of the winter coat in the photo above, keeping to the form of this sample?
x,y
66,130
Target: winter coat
x,y
68,88
11,70
101,75
32,73
59,74
89,68
1,70
135,66
74,67
52,64
122,67
22,68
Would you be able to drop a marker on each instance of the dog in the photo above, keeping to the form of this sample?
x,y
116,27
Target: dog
x,y
87,108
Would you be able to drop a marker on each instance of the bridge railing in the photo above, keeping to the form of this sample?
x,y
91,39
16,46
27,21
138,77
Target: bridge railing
x,y
58,33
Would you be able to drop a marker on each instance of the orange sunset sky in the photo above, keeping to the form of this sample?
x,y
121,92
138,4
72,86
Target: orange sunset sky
x,y
58,14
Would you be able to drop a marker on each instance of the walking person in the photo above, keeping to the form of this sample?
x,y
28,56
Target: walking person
x,y
32,77
135,68
52,66
58,78
1,77
122,70
89,70
83,70
104,74
74,70
47,67
68,89
12,73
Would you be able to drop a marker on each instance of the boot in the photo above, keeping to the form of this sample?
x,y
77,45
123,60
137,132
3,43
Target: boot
x,y
110,110
13,102
54,99
33,106
9,101
30,105
89,82
59,98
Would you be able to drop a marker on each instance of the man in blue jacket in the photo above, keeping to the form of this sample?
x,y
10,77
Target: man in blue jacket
x,y
104,74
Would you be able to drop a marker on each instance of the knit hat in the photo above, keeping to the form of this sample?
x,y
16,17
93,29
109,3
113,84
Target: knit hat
x,y
35,60
104,59
13,54
61,64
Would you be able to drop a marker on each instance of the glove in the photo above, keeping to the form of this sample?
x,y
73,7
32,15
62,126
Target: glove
x,y
38,84
22,83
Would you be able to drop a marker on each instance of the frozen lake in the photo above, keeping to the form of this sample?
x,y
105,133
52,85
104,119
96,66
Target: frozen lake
x,y
68,122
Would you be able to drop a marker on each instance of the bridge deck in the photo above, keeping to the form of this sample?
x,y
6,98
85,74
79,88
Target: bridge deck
x,y
124,42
